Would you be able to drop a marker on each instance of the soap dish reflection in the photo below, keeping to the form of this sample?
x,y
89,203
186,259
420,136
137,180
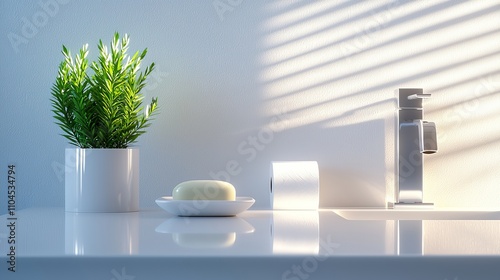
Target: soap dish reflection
x,y
205,232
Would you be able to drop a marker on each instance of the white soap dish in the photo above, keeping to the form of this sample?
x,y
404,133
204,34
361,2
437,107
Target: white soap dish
x,y
205,208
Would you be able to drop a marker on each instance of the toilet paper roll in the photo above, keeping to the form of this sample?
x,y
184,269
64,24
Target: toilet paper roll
x,y
295,232
294,185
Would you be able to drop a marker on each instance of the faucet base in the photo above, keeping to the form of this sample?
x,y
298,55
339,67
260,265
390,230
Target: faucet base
x,y
415,205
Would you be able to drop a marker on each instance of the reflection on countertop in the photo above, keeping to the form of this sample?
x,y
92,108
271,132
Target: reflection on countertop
x,y
258,233
204,232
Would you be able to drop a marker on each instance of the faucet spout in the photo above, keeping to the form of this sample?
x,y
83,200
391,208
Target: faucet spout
x,y
427,136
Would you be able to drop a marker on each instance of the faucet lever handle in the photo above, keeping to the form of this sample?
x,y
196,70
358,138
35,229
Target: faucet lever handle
x,y
419,96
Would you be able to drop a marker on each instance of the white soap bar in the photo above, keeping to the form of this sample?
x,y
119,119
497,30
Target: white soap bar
x,y
204,190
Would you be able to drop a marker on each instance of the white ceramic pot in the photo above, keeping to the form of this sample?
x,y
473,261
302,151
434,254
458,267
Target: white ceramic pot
x,y
102,180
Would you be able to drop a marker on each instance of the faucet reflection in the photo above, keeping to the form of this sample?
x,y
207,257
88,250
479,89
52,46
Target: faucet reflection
x,y
409,237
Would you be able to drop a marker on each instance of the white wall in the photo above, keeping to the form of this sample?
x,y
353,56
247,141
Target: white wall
x,y
248,82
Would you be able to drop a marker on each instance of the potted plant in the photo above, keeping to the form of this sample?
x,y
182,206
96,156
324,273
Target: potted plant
x,y
102,115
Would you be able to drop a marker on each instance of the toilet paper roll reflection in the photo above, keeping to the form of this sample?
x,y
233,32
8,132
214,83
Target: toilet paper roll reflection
x,y
294,185
295,232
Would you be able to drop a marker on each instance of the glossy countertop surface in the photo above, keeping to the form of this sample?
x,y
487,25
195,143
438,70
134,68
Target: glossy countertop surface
x,y
328,232
295,245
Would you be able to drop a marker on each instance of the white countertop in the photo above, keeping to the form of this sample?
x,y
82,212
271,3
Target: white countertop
x,y
325,244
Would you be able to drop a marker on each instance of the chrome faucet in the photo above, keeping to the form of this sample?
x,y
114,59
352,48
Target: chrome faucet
x,y
415,137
